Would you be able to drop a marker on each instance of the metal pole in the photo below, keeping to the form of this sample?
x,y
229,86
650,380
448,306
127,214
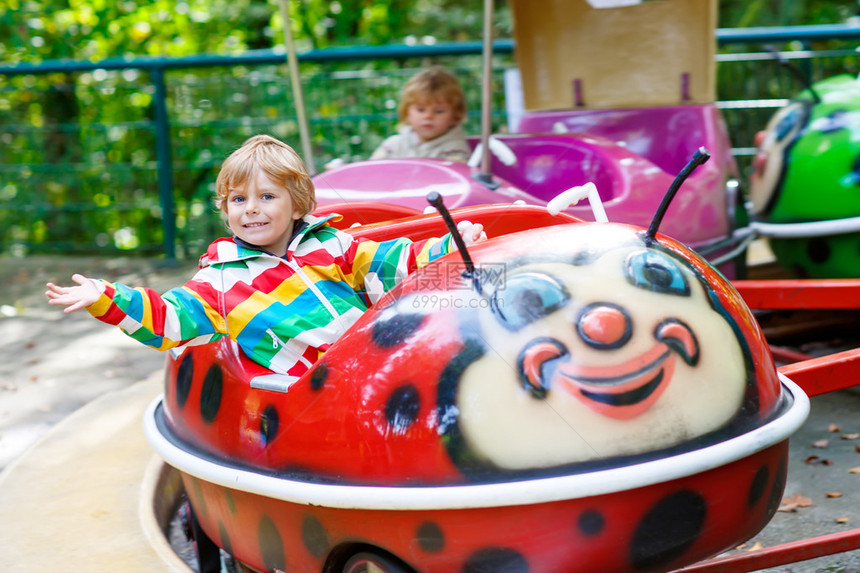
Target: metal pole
x,y
164,159
293,64
486,94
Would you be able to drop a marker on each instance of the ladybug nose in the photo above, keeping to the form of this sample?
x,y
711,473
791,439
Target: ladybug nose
x,y
604,326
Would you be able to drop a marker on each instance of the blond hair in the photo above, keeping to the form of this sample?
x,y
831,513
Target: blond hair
x,y
274,158
431,85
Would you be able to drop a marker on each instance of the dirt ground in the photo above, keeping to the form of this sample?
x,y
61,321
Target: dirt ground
x,y
51,364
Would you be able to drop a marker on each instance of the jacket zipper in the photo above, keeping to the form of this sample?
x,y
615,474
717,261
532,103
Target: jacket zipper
x,y
318,293
276,342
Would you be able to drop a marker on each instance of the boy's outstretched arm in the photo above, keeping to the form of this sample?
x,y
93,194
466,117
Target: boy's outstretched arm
x,y
74,297
180,316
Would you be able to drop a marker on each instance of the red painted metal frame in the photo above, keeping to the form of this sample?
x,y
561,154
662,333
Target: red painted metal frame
x,y
781,554
800,294
826,373
816,376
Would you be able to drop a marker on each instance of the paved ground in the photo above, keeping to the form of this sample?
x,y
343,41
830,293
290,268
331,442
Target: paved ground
x,y
822,492
52,364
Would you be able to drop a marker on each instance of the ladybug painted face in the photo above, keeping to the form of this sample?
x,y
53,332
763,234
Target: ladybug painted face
x,y
811,145
772,155
582,346
807,169
618,353
597,344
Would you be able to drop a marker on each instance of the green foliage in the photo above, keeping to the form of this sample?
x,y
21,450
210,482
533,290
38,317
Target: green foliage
x,y
746,13
34,30
78,169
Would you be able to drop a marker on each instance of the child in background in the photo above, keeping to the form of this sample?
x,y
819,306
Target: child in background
x,y
430,112
285,286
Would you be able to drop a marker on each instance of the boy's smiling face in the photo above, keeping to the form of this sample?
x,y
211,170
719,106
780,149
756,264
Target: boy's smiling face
x,y
262,213
430,119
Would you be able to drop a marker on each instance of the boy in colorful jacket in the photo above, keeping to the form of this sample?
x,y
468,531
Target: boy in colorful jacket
x,y
285,287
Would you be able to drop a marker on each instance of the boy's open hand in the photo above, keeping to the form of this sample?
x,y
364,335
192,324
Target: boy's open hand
x,y
74,297
471,232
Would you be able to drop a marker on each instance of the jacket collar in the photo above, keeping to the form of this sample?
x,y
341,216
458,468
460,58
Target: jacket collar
x,y
228,249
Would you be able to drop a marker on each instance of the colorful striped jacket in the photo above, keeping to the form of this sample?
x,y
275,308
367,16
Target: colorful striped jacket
x,y
283,312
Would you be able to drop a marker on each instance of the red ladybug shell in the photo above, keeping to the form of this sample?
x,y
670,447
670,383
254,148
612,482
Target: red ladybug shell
x,y
410,395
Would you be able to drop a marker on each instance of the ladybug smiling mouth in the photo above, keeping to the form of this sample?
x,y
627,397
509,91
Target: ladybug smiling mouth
x,y
620,391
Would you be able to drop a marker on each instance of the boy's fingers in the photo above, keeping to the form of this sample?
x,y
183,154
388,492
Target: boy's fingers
x,y
471,232
53,292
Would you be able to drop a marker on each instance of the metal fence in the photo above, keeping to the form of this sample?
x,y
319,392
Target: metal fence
x,y
122,155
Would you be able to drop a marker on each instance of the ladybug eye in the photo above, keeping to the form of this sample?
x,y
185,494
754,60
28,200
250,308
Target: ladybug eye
x,y
792,118
787,123
656,272
525,298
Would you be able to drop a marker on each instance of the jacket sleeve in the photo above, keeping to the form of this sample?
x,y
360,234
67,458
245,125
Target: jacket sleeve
x,y
180,316
378,267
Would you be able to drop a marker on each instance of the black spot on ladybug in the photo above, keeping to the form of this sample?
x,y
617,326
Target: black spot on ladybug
x,y
271,545
225,539
391,330
184,374
496,560
402,407
591,522
210,394
198,495
269,424
319,375
315,536
778,487
758,486
818,250
668,529
430,537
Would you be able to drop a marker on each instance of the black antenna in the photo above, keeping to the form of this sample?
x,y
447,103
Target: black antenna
x,y
700,157
435,199
795,71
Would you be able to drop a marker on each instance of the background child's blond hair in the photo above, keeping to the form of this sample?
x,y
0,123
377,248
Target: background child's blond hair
x,y
274,158
431,85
